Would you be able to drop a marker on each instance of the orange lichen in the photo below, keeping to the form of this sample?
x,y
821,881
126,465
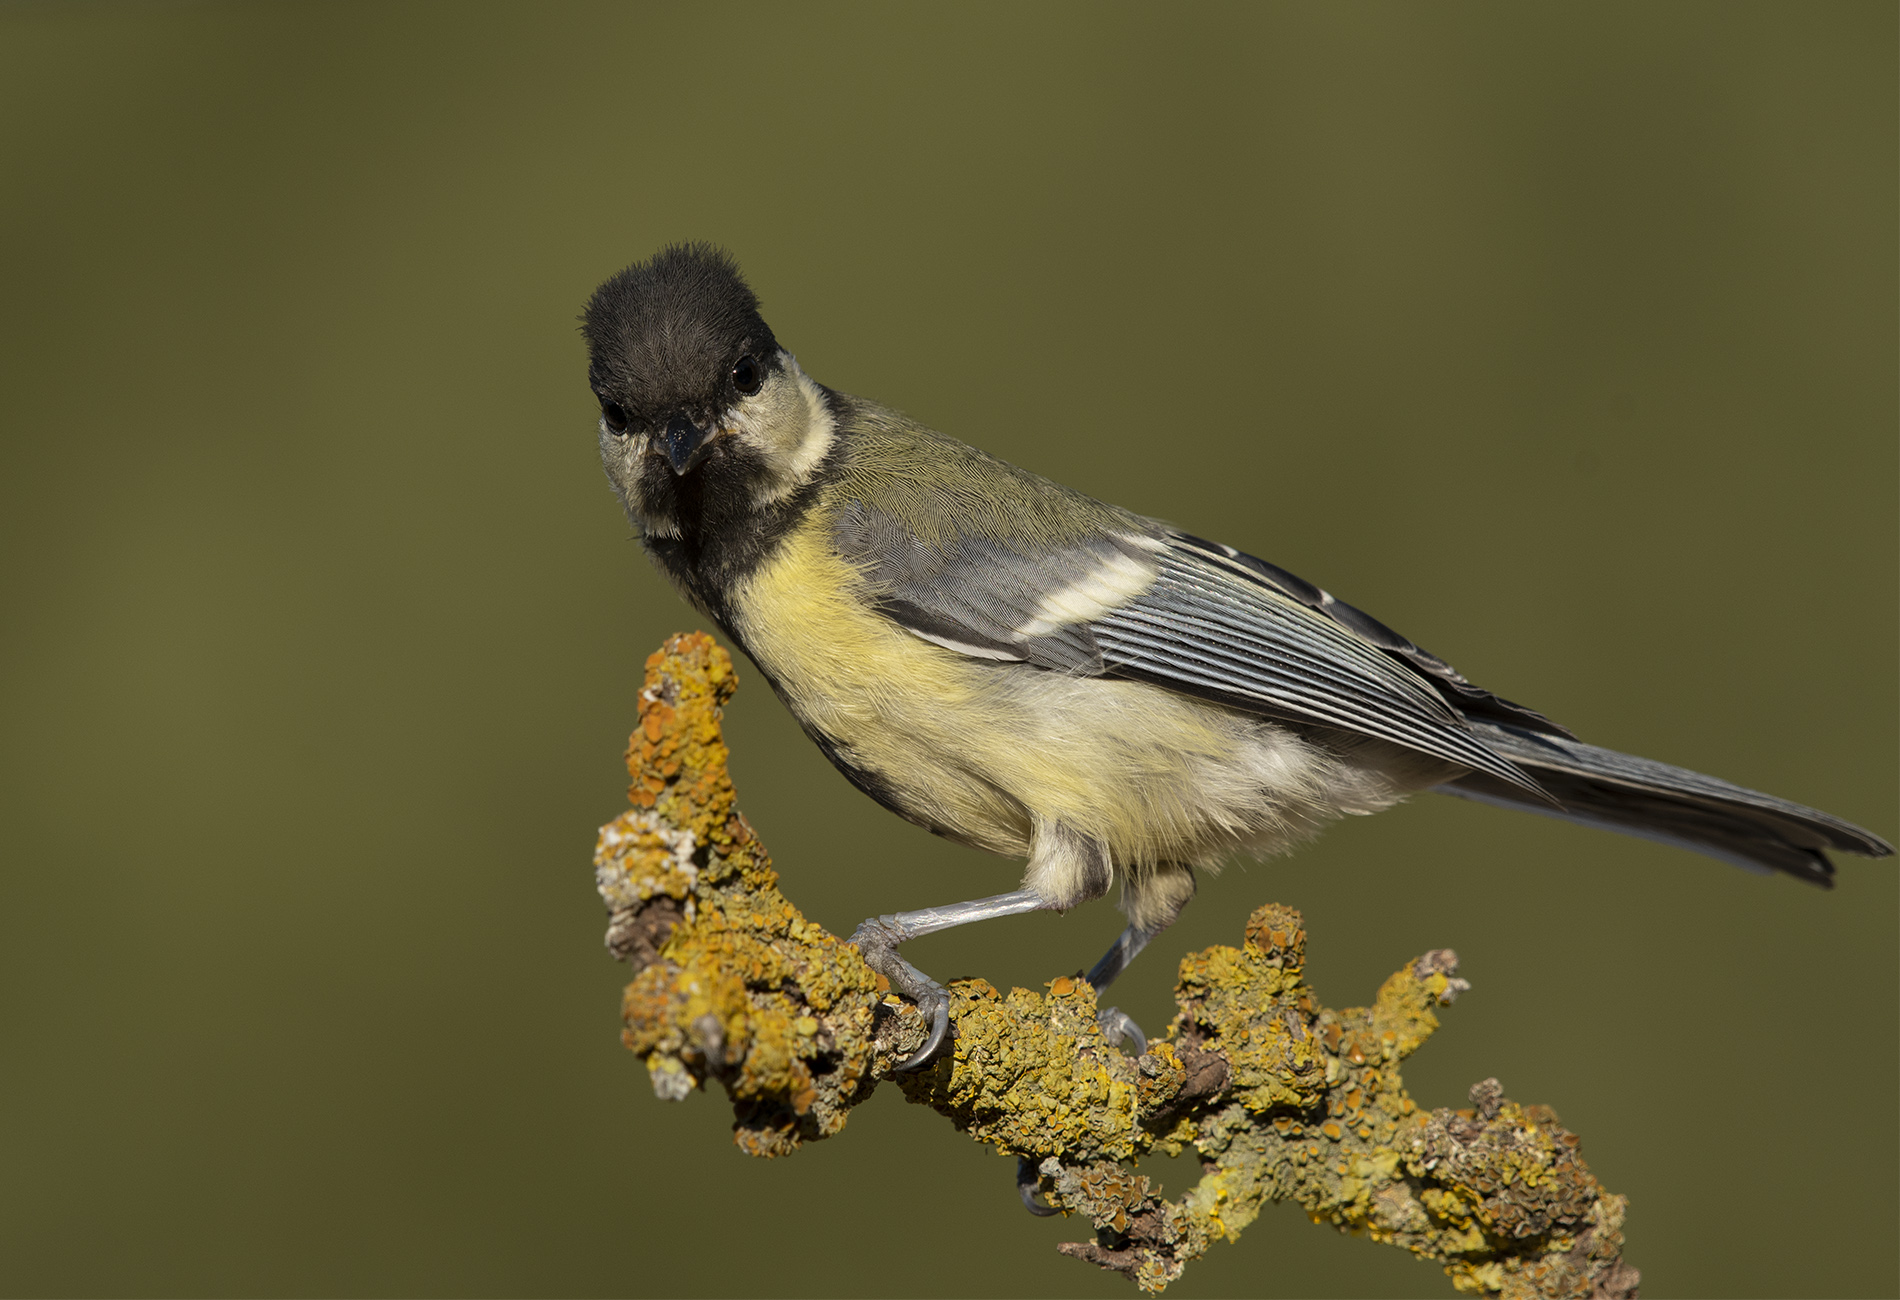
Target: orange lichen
x,y
1282,1098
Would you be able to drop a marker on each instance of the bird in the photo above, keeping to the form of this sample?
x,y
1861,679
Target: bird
x,y
1026,670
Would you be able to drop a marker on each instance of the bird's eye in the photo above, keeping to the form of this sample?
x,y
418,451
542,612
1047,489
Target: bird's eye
x,y
747,375
615,415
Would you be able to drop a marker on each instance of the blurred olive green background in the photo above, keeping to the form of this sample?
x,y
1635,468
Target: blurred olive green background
x,y
1561,338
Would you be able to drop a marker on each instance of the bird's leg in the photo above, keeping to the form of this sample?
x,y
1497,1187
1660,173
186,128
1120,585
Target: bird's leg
x,y
1152,901
1116,1023
1119,954
877,940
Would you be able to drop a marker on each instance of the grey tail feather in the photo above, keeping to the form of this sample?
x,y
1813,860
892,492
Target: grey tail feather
x,y
1651,800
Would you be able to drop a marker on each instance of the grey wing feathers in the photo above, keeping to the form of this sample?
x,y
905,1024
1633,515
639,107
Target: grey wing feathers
x,y
1639,796
1469,699
1204,628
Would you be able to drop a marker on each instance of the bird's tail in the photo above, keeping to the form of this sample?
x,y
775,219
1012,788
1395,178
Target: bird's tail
x,y
1641,797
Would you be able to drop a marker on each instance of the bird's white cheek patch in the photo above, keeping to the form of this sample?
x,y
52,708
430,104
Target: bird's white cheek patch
x,y
820,428
789,425
1118,580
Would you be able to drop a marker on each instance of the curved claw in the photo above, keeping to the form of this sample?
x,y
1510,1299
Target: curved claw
x,y
1118,1024
1026,1179
938,1009
877,940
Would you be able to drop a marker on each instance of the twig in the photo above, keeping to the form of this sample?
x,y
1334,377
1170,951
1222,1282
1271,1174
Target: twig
x,y
1282,1098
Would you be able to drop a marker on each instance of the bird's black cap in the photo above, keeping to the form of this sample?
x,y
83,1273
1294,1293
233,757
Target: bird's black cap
x,y
664,334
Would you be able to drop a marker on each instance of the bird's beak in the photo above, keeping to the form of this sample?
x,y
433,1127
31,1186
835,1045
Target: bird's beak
x,y
685,444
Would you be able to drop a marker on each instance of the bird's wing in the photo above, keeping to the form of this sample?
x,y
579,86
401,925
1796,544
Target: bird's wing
x,y
1470,700
1146,603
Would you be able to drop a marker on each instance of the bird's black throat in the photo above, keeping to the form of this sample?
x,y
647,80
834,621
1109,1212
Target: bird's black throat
x,y
724,533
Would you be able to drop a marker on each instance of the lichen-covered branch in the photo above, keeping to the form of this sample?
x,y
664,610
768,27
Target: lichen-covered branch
x,y
1282,1098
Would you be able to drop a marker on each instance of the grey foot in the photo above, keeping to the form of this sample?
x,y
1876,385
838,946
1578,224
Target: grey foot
x,y
1026,1188
1118,1024
877,940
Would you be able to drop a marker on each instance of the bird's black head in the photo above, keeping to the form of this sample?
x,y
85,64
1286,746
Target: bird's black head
x,y
673,344
704,420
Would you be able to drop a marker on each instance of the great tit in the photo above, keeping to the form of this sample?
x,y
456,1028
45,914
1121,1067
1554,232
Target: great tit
x,y
1023,669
